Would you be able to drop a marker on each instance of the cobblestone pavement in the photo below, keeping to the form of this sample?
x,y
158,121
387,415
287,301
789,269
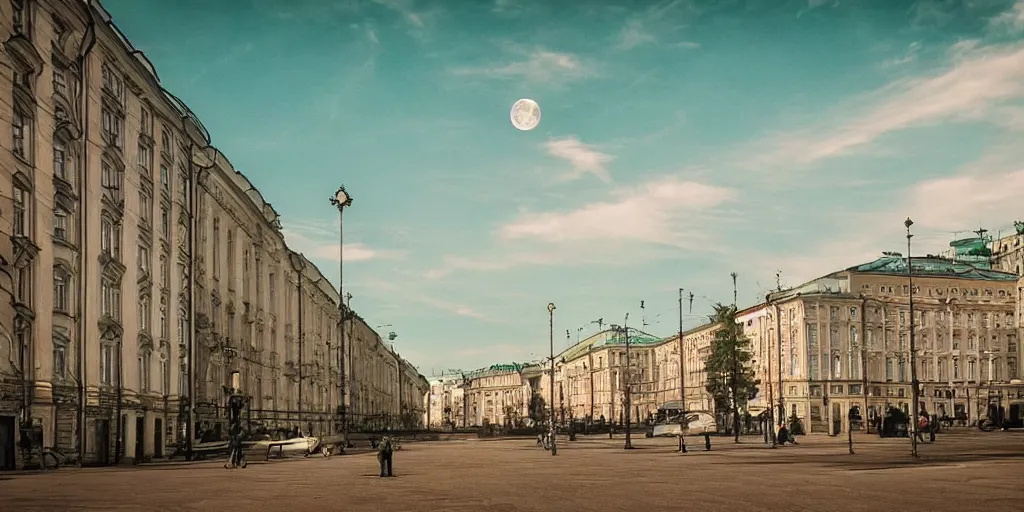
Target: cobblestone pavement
x,y
963,471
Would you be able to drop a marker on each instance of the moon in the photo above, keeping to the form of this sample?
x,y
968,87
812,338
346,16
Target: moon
x,y
525,114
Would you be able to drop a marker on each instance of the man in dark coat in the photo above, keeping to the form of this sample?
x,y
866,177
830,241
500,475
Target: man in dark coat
x,y
385,452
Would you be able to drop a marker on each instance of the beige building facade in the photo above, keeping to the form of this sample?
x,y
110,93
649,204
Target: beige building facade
x,y
100,168
1008,251
845,340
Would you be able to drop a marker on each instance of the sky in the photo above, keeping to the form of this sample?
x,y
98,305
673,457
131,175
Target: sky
x,y
681,141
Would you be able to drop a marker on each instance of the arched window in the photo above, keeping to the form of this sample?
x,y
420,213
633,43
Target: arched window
x,y
61,283
60,159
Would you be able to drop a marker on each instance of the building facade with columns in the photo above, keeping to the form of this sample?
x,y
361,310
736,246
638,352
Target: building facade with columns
x,y
845,340
496,395
100,169
1008,251
445,402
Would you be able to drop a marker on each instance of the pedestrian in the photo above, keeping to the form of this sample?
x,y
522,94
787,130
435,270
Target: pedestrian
x,y
385,454
922,426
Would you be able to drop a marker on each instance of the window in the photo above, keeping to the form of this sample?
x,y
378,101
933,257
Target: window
x,y
216,249
971,369
60,160
231,262
837,367
106,235
165,179
888,369
145,158
18,125
144,366
113,83
853,313
23,287
60,363
60,223
183,189
165,221
245,276
18,21
145,313
145,208
165,141
60,81
165,375
111,128
107,362
60,290
182,327
109,177
111,304
163,317
902,371
164,271
1011,367
143,259
145,122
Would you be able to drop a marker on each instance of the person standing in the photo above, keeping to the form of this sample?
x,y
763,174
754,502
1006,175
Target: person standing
x,y
385,454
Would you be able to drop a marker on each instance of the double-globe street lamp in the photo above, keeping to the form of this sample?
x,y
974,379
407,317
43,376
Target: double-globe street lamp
x,y
551,339
341,200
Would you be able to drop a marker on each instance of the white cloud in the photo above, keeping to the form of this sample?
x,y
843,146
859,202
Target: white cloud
x,y
312,241
981,85
1011,21
539,65
651,212
451,307
939,207
585,158
909,56
404,9
633,35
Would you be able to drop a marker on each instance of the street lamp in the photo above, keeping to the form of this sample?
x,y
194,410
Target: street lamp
x,y
914,392
624,330
340,200
551,336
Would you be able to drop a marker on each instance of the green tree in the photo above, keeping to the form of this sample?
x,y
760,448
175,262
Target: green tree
x,y
731,380
538,409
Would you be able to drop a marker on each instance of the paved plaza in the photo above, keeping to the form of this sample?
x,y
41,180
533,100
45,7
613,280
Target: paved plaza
x,y
963,471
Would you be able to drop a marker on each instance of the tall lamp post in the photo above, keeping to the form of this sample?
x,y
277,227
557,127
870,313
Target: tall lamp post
x,y
629,368
551,336
340,200
915,386
682,357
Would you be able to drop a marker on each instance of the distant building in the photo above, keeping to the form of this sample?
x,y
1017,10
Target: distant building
x,y
844,339
1008,251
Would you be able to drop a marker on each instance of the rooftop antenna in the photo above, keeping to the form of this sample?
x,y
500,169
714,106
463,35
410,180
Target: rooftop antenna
x,y
691,303
600,324
778,280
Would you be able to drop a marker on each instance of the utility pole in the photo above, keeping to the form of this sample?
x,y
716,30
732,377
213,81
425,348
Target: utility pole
x,y
629,383
735,371
915,391
682,355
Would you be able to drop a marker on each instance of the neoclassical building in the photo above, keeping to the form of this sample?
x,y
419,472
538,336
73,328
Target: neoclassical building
x,y
139,269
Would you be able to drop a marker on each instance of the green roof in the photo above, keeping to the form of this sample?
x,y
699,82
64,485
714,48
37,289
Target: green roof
x,y
931,266
496,368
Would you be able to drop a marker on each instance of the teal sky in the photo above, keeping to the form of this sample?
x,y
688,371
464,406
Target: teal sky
x,y
680,141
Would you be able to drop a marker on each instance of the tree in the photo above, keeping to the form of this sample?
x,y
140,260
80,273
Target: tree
x,y
538,409
730,377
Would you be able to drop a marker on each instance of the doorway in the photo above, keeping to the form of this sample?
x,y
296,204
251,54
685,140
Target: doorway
x,y
7,443
837,418
158,442
140,439
102,442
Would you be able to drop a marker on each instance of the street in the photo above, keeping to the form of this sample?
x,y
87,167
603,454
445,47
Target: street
x,y
963,471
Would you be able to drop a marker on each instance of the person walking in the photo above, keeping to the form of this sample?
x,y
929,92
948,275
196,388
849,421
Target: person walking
x,y
385,454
